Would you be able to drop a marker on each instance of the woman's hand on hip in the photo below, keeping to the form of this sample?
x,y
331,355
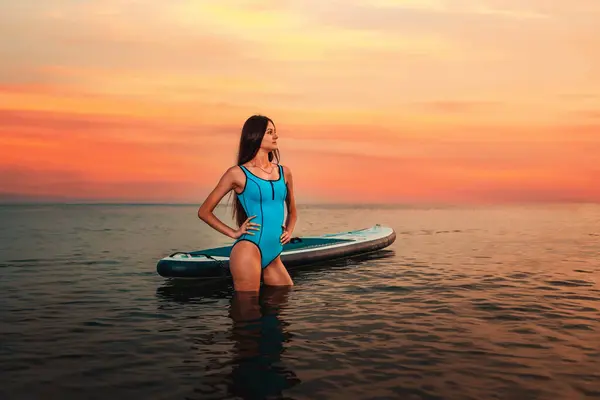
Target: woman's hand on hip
x,y
285,236
246,227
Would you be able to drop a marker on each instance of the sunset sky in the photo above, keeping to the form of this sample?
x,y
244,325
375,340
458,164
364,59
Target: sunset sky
x,y
381,101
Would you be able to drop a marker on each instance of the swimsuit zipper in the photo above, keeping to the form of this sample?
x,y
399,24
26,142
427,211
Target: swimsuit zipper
x,y
272,190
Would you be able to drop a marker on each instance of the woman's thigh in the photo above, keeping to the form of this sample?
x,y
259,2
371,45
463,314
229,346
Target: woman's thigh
x,y
275,274
244,264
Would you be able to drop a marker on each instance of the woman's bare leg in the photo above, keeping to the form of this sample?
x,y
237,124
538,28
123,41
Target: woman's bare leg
x,y
276,275
244,264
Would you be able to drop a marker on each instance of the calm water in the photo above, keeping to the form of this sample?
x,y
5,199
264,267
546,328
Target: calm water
x,y
479,303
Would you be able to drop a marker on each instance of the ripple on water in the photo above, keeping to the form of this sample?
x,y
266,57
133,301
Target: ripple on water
x,y
570,283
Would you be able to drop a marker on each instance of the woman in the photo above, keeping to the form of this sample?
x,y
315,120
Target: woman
x,y
262,188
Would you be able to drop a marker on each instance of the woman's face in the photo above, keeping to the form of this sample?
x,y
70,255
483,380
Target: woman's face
x,y
269,142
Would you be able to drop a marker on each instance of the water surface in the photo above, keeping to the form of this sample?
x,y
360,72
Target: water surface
x,y
468,303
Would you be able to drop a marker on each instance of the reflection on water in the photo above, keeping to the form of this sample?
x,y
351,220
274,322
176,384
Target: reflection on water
x,y
260,335
252,366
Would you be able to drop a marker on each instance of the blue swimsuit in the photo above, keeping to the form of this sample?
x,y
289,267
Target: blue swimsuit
x,y
264,198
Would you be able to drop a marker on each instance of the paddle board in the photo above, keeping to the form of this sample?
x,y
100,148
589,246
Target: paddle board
x,y
214,262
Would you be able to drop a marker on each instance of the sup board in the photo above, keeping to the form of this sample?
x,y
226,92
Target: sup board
x,y
214,262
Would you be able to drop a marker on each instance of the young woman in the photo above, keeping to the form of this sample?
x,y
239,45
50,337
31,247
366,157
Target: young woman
x,y
262,189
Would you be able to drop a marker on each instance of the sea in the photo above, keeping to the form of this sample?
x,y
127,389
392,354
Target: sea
x,y
469,302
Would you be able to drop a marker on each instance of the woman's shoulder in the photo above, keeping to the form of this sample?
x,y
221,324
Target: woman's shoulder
x,y
286,168
235,171
287,172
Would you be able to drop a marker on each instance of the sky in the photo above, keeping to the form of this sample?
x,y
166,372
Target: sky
x,y
380,101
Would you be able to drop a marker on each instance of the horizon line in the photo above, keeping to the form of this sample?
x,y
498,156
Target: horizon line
x,y
383,204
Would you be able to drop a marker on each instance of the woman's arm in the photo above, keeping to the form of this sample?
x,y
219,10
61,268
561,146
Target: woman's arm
x,y
205,212
292,215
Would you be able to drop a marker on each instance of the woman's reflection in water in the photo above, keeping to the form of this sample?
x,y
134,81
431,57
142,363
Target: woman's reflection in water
x,y
259,334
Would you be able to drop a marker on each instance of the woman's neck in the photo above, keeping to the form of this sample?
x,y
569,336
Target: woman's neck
x,y
261,159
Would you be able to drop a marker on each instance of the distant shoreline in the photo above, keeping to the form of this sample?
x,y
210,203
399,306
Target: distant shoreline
x,y
303,205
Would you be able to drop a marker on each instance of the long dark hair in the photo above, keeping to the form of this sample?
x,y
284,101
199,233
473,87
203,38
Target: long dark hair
x,y
253,132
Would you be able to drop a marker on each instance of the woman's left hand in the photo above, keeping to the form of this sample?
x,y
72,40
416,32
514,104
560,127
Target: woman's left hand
x,y
285,236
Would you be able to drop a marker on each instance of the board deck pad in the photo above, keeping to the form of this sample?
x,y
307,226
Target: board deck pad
x,y
214,262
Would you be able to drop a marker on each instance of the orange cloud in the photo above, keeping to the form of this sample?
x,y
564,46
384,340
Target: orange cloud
x,y
461,106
